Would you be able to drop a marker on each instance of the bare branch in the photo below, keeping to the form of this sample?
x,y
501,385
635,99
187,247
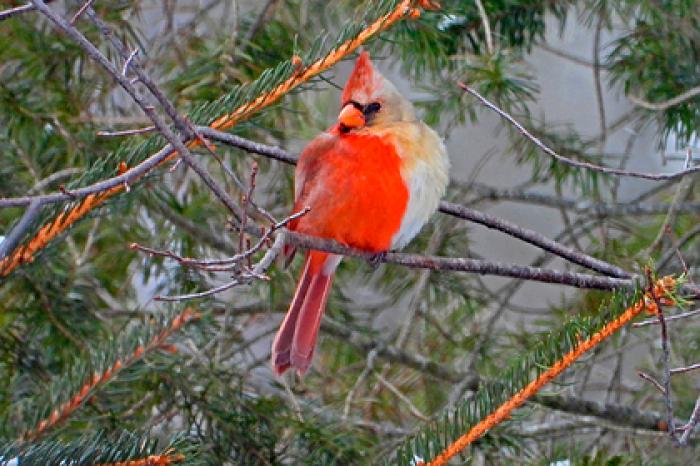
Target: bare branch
x,y
600,209
201,294
247,145
126,177
655,383
692,422
679,99
478,266
487,26
5,14
683,370
534,238
655,321
13,238
393,389
229,262
80,12
127,132
570,162
127,62
666,351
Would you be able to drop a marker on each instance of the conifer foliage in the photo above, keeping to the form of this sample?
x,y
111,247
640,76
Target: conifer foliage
x,y
144,190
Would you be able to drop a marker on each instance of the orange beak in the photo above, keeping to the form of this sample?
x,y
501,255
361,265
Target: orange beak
x,y
351,117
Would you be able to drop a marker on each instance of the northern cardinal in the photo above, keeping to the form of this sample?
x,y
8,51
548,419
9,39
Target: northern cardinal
x,y
371,181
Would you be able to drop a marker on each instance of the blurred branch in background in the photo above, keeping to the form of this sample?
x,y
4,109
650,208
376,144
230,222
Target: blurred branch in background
x,y
593,211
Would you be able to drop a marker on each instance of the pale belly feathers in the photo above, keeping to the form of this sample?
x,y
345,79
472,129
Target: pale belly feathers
x,y
425,168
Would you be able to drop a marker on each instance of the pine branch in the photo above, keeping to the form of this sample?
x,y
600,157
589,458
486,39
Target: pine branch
x,y
151,460
614,413
100,449
25,253
494,402
129,351
232,108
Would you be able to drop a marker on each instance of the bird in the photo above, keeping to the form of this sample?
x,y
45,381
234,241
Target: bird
x,y
371,181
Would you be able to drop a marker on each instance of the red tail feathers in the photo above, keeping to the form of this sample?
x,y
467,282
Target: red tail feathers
x,y
296,339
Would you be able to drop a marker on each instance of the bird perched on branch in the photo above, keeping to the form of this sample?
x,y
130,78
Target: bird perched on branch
x,y
371,182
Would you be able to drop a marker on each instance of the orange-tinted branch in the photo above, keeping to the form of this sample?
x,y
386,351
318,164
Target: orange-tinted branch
x,y
153,460
661,290
88,388
25,253
402,10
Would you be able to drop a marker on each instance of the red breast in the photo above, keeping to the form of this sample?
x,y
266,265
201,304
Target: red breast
x,y
352,182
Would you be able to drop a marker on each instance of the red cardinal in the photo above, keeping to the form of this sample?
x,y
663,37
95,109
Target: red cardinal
x,y
372,181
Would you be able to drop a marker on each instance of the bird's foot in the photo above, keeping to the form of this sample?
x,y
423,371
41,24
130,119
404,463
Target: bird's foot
x,y
377,258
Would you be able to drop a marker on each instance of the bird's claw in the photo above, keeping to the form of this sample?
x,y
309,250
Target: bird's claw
x,y
377,259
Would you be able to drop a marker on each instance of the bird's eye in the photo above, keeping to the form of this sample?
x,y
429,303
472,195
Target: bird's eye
x,y
372,108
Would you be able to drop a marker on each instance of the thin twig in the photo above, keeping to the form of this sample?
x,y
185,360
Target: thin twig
x,y
369,367
655,383
674,246
5,14
246,202
206,263
52,178
683,370
666,351
80,12
568,161
257,272
201,294
128,61
599,209
411,407
655,321
127,132
487,26
692,422
679,99
682,191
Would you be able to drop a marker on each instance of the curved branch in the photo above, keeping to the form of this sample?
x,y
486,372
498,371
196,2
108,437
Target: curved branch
x,y
574,163
464,264
679,99
534,238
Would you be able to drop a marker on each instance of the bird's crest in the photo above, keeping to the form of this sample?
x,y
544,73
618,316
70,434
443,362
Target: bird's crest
x,y
364,81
